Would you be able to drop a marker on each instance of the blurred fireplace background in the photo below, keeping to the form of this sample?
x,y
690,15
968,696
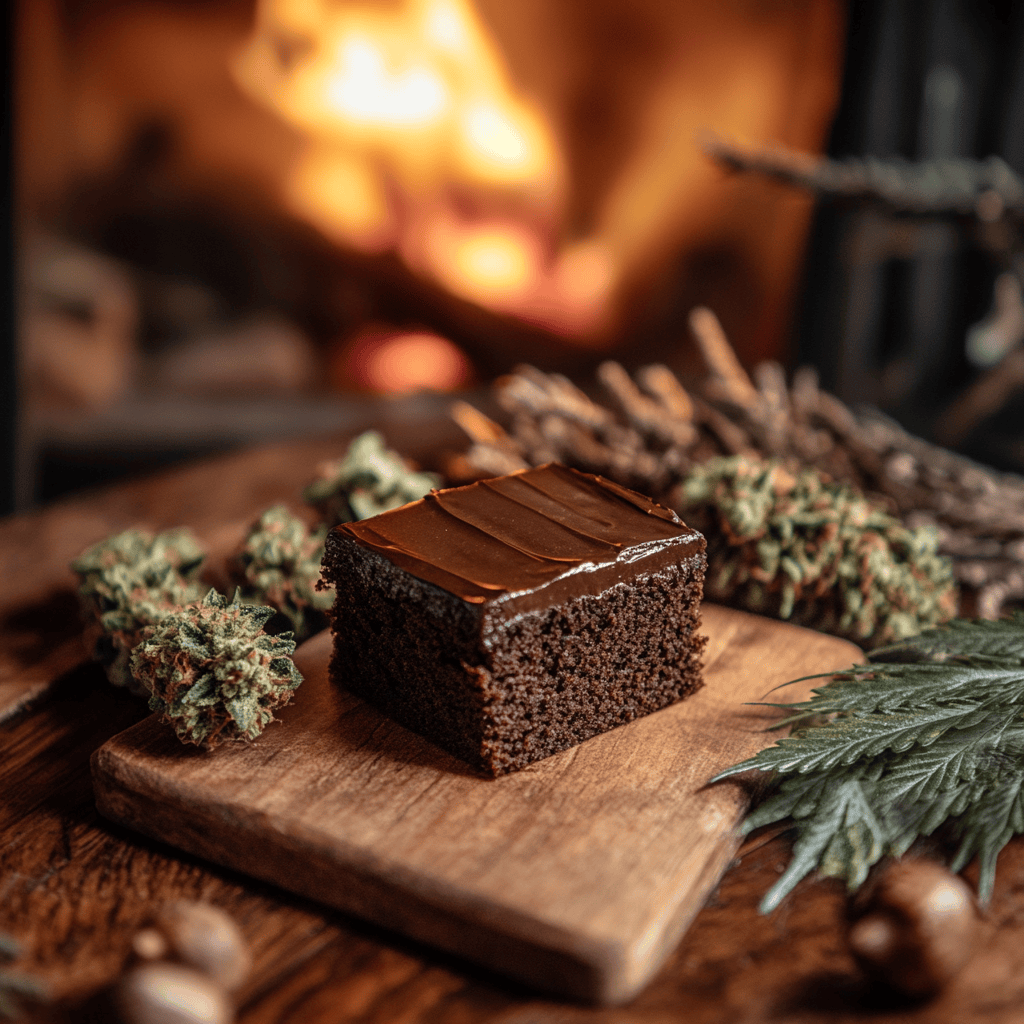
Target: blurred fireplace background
x,y
236,218
239,221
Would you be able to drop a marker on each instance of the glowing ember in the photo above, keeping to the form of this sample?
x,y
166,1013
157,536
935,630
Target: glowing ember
x,y
492,263
343,196
402,363
496,262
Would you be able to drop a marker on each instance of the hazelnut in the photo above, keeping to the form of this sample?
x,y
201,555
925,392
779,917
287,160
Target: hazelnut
x,y
915,927
206,938
161,993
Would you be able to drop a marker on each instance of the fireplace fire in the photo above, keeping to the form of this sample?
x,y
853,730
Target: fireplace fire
x,y
417,141
406,194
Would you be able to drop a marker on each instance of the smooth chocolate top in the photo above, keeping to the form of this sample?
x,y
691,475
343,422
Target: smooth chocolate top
x,y
516,533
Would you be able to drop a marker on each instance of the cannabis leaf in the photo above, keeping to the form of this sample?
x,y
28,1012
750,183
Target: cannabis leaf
x,y
929,732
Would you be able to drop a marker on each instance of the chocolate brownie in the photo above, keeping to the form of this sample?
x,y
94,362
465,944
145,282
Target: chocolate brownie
x,y
518,616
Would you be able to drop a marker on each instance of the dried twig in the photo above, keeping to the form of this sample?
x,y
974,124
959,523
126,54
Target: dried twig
x,y
661,431
732,381
988,190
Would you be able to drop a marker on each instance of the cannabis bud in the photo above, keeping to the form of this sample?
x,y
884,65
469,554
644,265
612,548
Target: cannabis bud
x,y
213,673
279,565
132,581
794,544
370,479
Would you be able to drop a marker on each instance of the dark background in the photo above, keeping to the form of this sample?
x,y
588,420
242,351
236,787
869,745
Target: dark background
x,y
892,334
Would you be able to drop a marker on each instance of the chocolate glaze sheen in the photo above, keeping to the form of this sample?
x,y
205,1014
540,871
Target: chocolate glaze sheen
x,y
496,539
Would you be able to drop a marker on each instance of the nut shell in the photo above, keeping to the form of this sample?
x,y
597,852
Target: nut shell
x,y
916,927
161,993
203,936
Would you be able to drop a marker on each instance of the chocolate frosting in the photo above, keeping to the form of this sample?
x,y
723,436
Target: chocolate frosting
x,y
513,534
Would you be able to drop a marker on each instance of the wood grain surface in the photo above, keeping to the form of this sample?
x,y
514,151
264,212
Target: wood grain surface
x,y
577,875
74,888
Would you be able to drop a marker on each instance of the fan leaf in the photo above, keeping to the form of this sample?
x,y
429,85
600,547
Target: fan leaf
x,y
929,733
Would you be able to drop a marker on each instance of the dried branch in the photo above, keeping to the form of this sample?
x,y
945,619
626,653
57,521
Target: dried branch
x,y
730,379
655,431
987,190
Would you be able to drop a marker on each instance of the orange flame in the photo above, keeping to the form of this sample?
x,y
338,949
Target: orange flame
x,y
407,112
416,93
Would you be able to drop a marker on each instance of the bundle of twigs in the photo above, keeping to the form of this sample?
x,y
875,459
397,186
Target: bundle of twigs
x,y
652,431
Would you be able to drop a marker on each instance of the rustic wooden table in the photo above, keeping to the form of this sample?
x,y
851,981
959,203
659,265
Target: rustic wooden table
x,y
74,888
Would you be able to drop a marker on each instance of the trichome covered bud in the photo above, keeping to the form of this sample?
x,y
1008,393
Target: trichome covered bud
x,y
279,565
792,543
213,673
368,480
130,582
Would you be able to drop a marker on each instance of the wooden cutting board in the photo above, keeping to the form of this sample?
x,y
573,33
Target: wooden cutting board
x,y
577,875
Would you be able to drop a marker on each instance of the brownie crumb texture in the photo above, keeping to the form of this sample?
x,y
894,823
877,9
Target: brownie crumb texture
x,y
502,686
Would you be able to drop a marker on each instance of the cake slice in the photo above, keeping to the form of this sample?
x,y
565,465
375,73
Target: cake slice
x,y
518,616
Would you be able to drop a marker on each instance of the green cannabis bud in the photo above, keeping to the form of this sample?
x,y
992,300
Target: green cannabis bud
x,y
129,582
794,544
279,565
368,480
213,673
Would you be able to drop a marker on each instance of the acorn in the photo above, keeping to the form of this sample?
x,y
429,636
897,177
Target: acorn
x,y
162,993
199,935
915,927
